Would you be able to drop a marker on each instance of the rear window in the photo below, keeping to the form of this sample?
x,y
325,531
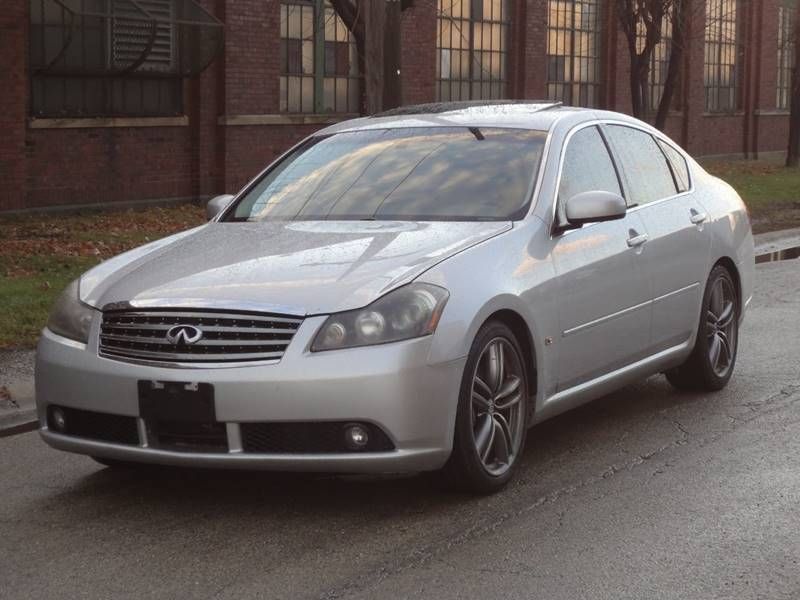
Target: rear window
x,y
421,173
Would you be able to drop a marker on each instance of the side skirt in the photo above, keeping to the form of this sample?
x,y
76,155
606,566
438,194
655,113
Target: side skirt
x,y
600,386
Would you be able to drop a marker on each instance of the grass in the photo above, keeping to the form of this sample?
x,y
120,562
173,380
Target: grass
x,y
41,254
770,190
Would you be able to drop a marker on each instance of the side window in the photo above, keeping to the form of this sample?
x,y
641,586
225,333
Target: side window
x,y
643,163
587,167
678,164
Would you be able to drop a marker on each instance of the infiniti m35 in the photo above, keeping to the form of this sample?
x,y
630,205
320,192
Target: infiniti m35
x,y
411,291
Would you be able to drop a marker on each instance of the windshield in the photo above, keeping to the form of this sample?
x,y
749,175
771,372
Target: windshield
x,y
420,173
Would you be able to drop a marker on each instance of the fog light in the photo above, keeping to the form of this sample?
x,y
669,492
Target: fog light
x,y
356,437
59,419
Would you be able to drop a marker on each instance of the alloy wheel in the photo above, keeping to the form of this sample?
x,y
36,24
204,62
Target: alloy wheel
x,y
498,417
721,326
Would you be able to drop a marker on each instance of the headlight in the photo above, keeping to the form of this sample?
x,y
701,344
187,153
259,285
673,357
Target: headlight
x,y
70,317
408,312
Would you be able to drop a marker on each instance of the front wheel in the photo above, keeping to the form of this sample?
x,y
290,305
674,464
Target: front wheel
x,y
490,425
710,365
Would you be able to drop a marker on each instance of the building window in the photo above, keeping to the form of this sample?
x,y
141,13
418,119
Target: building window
x,y
106,58
721,62
786,15
472,49
659,65
573,51
319,62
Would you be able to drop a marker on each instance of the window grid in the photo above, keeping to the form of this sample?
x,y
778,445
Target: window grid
x,y
472,49
721,56
574,51
319,60
786,15
659,64
142,93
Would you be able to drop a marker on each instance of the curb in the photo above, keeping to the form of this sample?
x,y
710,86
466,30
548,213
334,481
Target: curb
x,y
19,421
21,415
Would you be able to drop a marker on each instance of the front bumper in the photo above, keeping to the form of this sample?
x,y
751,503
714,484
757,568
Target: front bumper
x,y
390,386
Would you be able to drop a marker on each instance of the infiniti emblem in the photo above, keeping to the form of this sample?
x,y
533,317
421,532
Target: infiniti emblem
x,y
184,334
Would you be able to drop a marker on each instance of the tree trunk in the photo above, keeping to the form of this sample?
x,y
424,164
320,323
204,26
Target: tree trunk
x,y
392,96
636,86
375,25
375,21
793,151
631,15
679,37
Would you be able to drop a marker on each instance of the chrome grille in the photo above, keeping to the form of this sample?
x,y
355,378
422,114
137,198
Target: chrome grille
x,y
227,336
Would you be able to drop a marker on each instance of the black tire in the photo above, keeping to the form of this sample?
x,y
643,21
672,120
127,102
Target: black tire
x,y
466,470
700,372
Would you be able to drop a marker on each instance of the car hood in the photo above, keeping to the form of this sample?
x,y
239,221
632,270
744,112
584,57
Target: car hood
x,y
301,267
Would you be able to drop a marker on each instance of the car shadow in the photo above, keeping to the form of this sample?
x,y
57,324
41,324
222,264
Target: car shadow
x,y
201,491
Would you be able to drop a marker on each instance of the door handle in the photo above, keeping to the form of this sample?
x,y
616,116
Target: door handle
x,y
697,217
637,240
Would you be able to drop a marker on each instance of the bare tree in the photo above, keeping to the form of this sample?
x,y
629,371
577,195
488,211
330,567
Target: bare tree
x,y
375,27
641,21
678,18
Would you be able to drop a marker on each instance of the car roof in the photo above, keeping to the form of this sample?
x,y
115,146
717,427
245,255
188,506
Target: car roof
x,y
522,114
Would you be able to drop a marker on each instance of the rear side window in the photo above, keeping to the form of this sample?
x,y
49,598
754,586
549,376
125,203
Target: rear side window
x,y
587,167
679,167
643,164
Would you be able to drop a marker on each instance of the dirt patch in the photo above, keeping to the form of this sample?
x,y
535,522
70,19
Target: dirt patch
x,y
775,217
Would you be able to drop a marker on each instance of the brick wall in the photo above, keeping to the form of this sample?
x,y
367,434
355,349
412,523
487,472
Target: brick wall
x,y
79,166
418,52
43,167
13,104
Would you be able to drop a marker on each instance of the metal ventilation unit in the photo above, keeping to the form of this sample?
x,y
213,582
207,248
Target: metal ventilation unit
x,y
97,38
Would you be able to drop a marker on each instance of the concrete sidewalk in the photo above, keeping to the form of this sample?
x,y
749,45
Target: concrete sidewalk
x,y
17,400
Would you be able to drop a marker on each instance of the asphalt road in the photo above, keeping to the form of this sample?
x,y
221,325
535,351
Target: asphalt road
x,y
646,493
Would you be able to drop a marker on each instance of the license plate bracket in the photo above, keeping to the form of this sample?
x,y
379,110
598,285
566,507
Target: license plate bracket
x,y
176,401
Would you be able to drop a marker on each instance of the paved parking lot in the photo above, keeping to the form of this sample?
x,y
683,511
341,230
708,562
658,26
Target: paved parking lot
x,y
646,493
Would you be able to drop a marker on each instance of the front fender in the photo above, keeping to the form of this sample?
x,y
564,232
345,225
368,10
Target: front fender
x,y
512,272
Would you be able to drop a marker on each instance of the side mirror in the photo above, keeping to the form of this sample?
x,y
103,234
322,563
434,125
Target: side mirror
x,y
217,204
595,206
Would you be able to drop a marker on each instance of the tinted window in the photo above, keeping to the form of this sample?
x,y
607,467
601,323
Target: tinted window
x,y
447,173
587,167
643,164
679,167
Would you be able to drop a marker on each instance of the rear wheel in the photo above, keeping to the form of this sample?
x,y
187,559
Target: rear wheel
x,y
490,423
711,363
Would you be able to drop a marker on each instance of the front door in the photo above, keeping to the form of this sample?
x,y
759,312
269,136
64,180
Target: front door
x,y
604,289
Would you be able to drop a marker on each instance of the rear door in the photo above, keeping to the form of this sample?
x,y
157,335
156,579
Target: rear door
x,y
678,247
604,289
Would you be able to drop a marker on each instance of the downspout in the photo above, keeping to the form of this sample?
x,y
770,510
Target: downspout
x,y
608,99
747,83
610,94
221,155
686,74
519,42
758,66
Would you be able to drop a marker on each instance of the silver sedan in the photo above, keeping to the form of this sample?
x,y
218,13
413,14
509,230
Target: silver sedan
x,y
406,292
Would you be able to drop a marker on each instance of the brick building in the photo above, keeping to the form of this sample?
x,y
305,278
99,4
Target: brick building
x,y
119,100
